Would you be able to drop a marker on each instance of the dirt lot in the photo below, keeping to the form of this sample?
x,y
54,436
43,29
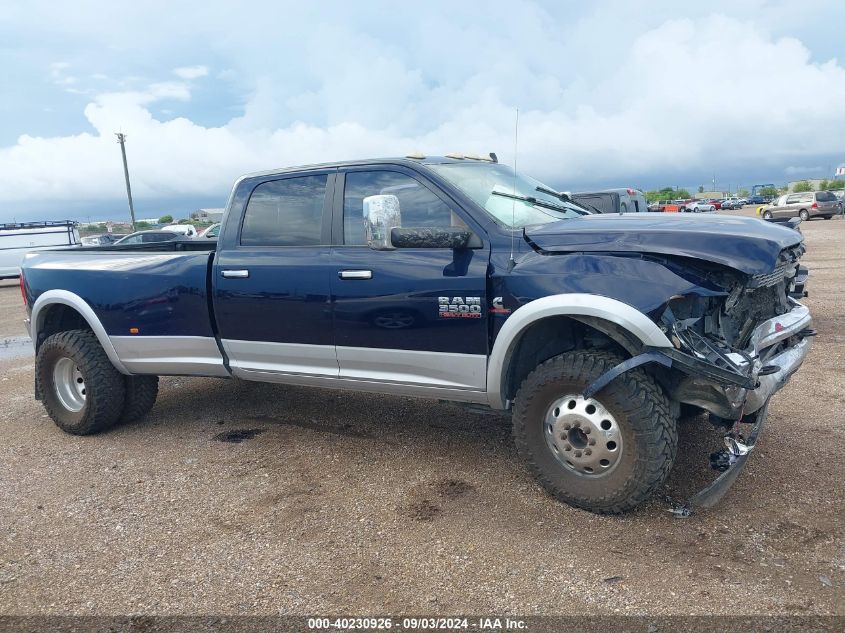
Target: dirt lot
x,y
346,503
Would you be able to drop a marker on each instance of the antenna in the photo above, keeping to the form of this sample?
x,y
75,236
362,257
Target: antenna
x,y
512,261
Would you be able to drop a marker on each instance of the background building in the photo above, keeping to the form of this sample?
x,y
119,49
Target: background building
x,y
208,215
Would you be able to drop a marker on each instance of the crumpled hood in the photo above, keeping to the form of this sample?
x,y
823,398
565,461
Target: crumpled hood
x,y
745,244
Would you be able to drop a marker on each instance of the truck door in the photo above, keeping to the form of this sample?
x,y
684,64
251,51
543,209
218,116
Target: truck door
x,y
272,278
412,316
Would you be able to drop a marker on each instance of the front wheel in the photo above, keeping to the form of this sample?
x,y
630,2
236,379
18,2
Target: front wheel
x,y
803,215
767,215
606,454
81,390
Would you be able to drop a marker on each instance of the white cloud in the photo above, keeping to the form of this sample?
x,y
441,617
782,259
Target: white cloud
x,y
191,72
681,95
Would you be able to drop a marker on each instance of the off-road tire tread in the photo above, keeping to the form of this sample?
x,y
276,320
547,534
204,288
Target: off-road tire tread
x,y
105,386
141,394
644,402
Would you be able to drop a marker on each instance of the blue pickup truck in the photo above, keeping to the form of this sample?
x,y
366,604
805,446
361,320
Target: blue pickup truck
x,y
448,278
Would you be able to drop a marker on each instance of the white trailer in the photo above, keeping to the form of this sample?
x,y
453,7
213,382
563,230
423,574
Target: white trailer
x,y
17,239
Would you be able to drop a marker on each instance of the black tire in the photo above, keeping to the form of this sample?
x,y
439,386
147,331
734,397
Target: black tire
x,y
102,387
827,217
767,215
141,394
648,432
804,215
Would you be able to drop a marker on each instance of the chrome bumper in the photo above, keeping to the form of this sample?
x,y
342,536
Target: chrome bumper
x,y
770,333
789,361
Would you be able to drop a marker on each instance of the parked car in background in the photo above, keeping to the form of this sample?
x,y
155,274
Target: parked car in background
x,y
717,204
731,203
102,240
670,206
148,237
758,199
18,238
655,206
211,233
699,206
806,205
613,200
188,230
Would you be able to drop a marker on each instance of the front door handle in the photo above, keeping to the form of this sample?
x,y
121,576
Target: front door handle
x,y
236,274
355,274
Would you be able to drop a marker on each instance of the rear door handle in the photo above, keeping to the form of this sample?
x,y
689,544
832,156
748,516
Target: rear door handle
x,y
355,274
235,274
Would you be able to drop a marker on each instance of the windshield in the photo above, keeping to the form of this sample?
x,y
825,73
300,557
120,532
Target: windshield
x,y
498,191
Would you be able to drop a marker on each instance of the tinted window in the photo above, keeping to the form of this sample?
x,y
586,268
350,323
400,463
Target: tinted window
x,y
285,212
158,237
417,204
825,196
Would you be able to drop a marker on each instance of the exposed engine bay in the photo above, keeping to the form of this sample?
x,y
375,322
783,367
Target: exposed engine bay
x,y
724,339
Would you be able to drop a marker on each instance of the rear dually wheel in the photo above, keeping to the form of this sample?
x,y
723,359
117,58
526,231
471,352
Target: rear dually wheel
x,y
81,390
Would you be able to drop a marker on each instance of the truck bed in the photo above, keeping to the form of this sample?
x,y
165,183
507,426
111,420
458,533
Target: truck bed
x,y
146,289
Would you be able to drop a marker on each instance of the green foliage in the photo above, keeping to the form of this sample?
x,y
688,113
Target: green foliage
x,y
165,219
835,184
769,192
802,186
140,226
743,193
667,193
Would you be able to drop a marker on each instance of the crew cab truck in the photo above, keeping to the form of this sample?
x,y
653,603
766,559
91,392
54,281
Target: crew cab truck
x,y
444,278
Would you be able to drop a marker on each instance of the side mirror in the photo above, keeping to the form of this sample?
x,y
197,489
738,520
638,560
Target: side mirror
x,y
381,214
434,237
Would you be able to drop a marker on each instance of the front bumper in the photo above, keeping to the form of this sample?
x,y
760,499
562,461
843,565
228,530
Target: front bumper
x,y
778,345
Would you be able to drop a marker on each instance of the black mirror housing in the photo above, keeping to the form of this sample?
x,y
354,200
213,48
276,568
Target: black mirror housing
x,y
434,237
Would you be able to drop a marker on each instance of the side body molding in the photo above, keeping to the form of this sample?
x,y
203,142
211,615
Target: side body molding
x,y
52,297
575,304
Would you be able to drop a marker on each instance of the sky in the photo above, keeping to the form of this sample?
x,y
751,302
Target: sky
x,y
609,93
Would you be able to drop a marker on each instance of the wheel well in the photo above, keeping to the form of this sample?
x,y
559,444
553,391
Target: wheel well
x,y
59,318
555,335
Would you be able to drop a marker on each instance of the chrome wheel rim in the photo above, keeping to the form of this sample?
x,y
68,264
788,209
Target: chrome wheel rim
x,y
69,384
583,436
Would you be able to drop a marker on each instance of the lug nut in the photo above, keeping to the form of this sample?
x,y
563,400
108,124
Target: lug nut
x,y
566,427
587,430
588,452
577,423
592,442
567,448
577,453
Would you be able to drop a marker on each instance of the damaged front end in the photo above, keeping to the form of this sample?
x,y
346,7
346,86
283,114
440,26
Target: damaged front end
x,y
732,350
735,351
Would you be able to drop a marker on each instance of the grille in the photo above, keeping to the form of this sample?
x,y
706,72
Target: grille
x,y
769,279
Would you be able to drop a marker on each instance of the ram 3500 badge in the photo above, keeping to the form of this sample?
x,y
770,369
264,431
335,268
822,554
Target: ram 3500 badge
x,y
450,278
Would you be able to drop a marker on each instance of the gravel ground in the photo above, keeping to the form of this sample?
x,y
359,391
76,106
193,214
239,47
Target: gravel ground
x,y
334,502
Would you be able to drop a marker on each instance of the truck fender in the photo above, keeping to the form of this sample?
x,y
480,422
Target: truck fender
x,y
575,305
52,297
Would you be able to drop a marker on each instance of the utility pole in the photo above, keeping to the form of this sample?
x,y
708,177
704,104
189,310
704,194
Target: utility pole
x,y
121,138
